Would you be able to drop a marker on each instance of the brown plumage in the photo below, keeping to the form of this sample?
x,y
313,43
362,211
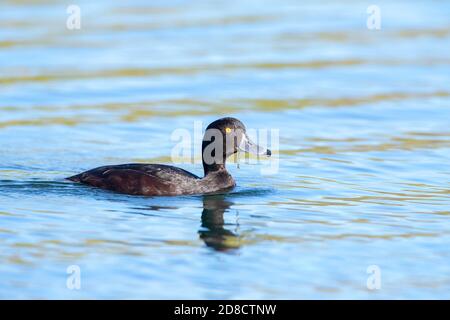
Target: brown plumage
x,y
153,180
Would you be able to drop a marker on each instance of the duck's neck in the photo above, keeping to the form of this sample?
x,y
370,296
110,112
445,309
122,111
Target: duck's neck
x,y
213,168
215,162
216,177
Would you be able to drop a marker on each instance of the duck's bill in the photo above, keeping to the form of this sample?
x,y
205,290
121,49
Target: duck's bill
x,y
249,146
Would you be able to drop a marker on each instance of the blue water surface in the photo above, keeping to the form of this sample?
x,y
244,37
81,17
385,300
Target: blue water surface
x,y
362,162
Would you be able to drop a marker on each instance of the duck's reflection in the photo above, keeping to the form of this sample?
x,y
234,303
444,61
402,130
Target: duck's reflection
x,y
212,231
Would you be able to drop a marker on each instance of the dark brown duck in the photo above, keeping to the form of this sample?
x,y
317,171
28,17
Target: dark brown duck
x,y
223,138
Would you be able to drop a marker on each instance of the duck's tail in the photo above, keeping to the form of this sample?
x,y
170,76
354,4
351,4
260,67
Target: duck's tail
x,y
75,178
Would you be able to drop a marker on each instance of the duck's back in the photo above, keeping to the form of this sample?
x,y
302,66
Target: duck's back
x,y
140,179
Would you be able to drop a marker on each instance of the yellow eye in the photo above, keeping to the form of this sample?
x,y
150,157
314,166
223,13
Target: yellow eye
x,y
227,130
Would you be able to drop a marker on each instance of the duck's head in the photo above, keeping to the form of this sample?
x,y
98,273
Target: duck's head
x,y
223,138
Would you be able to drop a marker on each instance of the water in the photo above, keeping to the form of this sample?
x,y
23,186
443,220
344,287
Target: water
x,y
364,148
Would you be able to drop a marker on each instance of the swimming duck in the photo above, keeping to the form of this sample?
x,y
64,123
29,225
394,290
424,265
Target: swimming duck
x,y
223,138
